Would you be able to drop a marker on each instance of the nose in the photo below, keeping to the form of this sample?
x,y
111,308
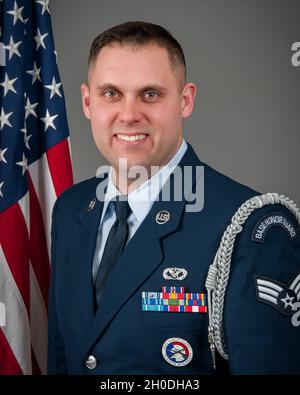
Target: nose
x,y
130,111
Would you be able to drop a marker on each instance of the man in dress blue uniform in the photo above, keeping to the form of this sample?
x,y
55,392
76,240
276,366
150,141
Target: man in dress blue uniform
x,y
128,291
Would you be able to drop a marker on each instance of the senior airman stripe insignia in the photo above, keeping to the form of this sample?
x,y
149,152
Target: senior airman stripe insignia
x,y
284,298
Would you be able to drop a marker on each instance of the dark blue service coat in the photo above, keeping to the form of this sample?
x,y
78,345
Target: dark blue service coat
x,y
124,339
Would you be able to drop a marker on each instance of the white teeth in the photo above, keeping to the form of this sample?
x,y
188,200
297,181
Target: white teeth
x,y
131,138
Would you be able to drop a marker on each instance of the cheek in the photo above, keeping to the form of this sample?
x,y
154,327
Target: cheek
x,y
167,121
101,114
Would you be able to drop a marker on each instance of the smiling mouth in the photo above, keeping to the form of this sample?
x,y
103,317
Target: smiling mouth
x,y
133,137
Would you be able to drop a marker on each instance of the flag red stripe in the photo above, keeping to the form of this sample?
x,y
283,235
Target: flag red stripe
x,y
15,244
60,166
38,245
8,362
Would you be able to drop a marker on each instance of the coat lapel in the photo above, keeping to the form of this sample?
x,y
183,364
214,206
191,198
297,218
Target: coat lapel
x,y
85,239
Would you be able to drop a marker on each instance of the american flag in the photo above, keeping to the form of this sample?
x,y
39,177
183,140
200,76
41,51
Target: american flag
x,y
35,167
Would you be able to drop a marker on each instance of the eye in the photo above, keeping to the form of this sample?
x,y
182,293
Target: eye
x,y
111,94
150,95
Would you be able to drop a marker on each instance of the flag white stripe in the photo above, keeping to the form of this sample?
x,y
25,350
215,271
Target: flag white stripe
x,y
24,206
38,323
44,188
70,149
17,329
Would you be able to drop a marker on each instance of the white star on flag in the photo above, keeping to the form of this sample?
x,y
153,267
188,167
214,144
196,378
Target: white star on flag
x,y
13,48
17,13
35,72
24,164
2,152
45,4
1,184
4,119
48,120
26,137
8,84
54,87
39,38
26,141
29,108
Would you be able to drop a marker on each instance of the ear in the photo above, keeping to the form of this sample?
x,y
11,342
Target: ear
x,y
188,99
85,96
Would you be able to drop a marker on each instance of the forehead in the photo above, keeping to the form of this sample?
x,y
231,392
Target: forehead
x,y
125,62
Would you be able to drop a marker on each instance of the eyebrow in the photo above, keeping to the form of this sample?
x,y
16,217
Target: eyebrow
x,y
145,88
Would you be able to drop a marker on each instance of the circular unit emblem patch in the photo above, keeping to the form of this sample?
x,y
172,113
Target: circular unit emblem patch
x,y
177,352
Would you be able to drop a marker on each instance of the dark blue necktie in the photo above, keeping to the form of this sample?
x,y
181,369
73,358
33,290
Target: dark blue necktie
x,y
114,246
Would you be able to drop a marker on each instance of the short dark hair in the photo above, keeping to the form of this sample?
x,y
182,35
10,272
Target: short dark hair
x,y
139,34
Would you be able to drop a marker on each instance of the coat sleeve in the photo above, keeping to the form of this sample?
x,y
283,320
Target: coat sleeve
x,y
57,363
262,309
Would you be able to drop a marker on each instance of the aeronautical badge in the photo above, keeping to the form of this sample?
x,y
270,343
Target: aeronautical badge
x,y
177,352
268,221
285,299
174,273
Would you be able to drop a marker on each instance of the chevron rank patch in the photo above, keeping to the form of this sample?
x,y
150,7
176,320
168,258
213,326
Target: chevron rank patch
x,y
284,298
268,221
174,300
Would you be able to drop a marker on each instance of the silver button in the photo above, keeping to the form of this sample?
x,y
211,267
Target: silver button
x,y
91,362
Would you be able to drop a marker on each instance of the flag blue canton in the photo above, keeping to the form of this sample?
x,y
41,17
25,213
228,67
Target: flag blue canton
x,y
33,115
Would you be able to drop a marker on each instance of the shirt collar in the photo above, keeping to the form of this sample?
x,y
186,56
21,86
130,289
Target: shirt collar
x,y
142,198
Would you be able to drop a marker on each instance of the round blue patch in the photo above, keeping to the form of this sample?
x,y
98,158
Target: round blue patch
x,y
177,351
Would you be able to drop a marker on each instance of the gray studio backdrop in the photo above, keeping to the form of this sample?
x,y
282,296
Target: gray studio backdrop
x,y
239,53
